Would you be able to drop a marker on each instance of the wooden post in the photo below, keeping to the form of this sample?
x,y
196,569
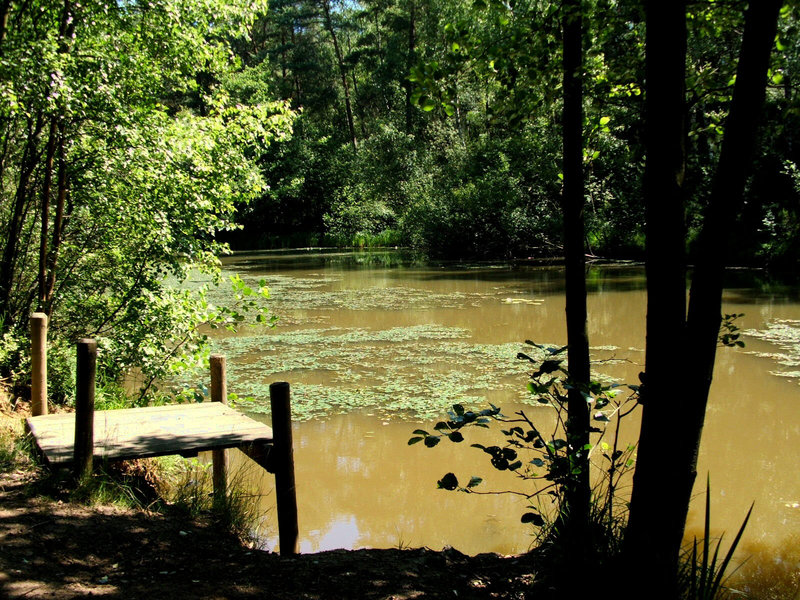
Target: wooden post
x,y
284,467
219,458
84,407
38,364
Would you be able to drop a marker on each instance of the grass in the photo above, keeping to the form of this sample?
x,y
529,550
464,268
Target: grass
x,y
188,491
15,447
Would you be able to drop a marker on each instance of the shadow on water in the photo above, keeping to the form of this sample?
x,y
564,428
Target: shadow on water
x,y
743,285
402,263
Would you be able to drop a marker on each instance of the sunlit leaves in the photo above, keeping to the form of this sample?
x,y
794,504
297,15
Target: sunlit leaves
x,y
156,165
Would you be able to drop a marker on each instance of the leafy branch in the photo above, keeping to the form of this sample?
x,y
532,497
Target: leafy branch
x,y
548,460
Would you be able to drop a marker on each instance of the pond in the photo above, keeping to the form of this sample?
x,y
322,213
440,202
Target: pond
x,y
378,344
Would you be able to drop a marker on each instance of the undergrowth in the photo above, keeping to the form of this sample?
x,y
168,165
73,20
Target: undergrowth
x,y
188,490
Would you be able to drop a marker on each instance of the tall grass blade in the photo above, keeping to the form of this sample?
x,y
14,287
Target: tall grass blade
x,y
706,539
731,550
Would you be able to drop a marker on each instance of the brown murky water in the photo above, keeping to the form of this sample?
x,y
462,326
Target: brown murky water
x,y
376,346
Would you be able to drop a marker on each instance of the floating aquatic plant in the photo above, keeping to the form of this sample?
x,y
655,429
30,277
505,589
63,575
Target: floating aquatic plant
x,y
416,371
785,334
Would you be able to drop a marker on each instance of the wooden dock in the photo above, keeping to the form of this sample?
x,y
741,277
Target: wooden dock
x,y
76,439
184,429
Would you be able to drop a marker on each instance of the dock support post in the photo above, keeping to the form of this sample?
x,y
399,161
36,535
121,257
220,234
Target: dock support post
x,y
84,407
38,364
219,458
283,463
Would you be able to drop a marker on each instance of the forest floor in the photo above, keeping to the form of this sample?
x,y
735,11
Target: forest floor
x,y
51,547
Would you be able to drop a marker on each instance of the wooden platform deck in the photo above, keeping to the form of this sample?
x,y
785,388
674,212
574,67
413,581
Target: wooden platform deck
x,y
153,431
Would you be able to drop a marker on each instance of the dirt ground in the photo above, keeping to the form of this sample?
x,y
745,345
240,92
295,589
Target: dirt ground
x,y
56,549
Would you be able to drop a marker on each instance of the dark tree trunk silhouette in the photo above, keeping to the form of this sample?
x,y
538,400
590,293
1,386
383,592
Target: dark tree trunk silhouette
x,y
577,493
668,450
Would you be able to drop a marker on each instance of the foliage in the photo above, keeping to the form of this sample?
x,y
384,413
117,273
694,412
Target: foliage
x,y
455,116
123,158
186,487
129,484
548,461
16,451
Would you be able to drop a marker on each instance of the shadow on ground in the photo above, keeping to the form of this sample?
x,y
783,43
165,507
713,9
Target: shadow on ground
x,y
50,549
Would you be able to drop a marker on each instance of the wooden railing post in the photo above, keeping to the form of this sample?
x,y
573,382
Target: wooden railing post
x,y
219,458
279,399
84,407
38,364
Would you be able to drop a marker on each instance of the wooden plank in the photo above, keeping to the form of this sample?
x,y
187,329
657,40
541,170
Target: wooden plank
x,y
151,431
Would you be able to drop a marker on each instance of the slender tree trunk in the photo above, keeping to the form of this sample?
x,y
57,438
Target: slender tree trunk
x,y
284,73
410,58
58,223
359,108
342,73
727,200
666,289
54,141
578,491
45,210
5,11
294,72
30,157
658,509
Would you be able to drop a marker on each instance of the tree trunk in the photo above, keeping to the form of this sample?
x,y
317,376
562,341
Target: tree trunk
x,y
30,157
577,494
659,510
58,223
410,58
727,200
298,90
342,73
45,211
5,11
55,141
666,287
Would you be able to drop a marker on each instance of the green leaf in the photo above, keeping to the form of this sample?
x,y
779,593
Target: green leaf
x,y
474,481
604,121
456,436
448,482
432,440
533,518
